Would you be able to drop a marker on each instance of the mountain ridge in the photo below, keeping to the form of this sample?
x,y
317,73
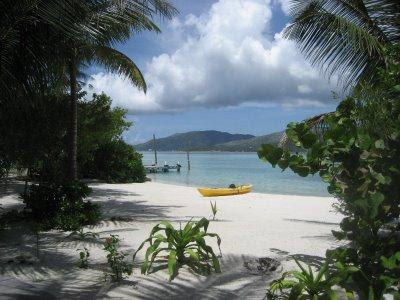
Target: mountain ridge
x,y
210,140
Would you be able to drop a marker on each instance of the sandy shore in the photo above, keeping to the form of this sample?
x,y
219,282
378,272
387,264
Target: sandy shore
x,y
252,225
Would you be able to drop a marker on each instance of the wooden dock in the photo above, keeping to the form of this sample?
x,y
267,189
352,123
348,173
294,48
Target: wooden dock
x,y
162,169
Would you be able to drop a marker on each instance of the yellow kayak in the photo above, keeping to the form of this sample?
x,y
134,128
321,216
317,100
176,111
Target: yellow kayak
x,y
214,192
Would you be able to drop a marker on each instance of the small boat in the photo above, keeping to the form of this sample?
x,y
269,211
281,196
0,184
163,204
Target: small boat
x,y
215,192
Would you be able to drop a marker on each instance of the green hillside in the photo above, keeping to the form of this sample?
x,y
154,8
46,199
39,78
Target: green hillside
x,y
211,140
195,140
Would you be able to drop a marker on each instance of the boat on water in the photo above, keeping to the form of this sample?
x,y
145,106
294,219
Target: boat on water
x,y
215,192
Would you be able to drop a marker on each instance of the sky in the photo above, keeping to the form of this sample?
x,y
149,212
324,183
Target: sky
x,y
218,65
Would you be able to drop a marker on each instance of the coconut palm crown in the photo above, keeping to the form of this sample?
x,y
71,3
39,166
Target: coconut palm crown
x,y
345,37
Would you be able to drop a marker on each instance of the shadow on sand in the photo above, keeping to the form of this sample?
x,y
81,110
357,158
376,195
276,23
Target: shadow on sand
x,y
233,283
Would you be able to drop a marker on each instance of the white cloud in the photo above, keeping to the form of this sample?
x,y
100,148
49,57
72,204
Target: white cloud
x,y
285,5
224,59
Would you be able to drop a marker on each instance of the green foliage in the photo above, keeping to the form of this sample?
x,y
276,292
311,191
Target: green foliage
x,y
83,261
116,259
102,153
117,161
304,284
98,124
358,156
185,246
91,213
214,209
60,206
37,138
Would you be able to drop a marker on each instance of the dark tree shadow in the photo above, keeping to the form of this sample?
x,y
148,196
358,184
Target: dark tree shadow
x,y
325,237
312,260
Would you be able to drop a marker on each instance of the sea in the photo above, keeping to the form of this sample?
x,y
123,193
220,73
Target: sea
x,y
220,169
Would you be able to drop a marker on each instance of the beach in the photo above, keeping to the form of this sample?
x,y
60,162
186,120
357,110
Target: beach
x,y
251,226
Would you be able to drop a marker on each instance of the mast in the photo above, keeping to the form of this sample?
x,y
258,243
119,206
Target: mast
x,y
155,149
187,155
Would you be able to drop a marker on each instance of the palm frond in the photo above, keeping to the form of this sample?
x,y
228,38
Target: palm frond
x,y
117,62
345,37
117,20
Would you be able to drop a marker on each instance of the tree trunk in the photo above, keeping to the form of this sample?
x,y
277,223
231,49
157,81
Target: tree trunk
x,y
73,122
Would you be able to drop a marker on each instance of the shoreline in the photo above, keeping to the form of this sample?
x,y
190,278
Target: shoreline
x,y
198,186
220,170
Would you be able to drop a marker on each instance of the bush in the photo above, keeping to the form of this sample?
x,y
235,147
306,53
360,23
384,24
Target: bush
x,y
60,206
358,156
116,162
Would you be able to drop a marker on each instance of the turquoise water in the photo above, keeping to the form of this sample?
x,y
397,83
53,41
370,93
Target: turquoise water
x,y
220,169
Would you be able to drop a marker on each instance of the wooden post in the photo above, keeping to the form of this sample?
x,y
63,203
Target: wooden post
x,y
155,150
188,157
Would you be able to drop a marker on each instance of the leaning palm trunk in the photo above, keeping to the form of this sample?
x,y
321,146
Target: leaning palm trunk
x,y
317,125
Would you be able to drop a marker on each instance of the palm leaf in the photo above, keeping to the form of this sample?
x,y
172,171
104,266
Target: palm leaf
x,y
345,37
117,62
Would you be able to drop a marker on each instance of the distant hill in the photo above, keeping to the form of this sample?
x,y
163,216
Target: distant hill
x,y
195,140
250,145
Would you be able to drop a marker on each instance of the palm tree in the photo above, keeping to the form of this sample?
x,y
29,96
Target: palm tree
x,y
345,37
41,40
110,22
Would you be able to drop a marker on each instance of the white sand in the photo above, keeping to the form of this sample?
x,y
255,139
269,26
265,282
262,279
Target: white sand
x,y
251,225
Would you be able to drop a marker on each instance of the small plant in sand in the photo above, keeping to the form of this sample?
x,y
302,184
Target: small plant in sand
x,y
304,284
116,259
179,247
214,209
83,261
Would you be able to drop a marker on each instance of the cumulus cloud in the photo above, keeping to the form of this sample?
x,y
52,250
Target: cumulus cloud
x,y
285,5
224,58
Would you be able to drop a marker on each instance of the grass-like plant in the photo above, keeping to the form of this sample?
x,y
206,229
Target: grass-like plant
x,y
304,284
116,259
214,209
83,261
179,247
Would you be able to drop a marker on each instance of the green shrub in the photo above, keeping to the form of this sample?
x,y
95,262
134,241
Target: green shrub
x,y
116,162
185,246
91,213
116,259
60,206
358,155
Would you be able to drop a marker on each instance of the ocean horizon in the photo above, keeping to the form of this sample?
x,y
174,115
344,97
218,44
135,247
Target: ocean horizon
x,y
220,169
